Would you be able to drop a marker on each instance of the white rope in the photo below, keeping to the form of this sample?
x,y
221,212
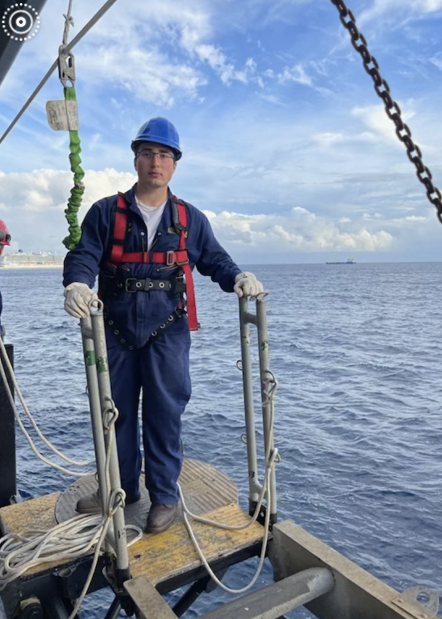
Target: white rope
x,y
67,541
187,513
113,503
267,488
75,537
6,361
69,21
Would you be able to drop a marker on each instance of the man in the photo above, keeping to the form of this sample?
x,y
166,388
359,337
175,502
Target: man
x,y
5,238
143,245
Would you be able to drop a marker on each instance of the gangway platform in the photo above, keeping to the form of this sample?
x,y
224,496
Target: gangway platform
x,y
164,562
168,560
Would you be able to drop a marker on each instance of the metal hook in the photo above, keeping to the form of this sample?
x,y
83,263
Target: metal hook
x,y
66,66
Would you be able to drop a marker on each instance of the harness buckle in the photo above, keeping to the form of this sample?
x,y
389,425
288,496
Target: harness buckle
x,y
170,258
181,262
127,284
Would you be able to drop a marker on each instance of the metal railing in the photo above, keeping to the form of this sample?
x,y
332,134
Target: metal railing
x,y
268,389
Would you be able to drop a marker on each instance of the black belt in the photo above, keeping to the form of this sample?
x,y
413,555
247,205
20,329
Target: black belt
x,y
132,284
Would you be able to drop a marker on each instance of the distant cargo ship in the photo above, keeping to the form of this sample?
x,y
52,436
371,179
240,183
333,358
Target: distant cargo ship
x,y
20,260
348,261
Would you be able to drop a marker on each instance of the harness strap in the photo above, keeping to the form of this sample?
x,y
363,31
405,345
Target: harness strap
x,y
169,258
177,313
190,290
124,340
117,240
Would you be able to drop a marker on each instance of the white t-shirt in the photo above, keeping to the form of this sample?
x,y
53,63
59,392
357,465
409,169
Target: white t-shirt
x,y
151,216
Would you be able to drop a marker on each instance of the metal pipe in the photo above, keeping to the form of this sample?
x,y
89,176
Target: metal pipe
x,y
254,485
55,608
114,609
249,317
264,370
317,580
99,337
279,598
189,597
96,418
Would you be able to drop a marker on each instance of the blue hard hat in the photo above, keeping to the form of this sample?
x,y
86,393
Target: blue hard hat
x,y
161,131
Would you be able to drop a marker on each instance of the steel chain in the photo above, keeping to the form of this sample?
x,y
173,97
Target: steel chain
x,y
392,108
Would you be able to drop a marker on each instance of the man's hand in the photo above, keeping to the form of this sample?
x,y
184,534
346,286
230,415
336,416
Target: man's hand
x,y
246,285
77,299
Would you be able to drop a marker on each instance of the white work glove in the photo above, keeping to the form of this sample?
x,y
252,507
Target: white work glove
x,y
247,285
77,299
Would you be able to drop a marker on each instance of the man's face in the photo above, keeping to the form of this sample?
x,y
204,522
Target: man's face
x,y
155,164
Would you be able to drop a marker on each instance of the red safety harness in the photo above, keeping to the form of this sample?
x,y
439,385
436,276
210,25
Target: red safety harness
x,y
169,258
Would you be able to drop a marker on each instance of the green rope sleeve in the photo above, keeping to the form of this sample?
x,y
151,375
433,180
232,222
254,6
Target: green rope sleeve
x,y
77,191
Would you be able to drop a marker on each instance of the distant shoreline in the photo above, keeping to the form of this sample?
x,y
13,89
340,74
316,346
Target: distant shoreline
x,y
12,267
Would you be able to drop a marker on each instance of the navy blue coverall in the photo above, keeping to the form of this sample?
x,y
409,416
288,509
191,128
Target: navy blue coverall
x,y
159,367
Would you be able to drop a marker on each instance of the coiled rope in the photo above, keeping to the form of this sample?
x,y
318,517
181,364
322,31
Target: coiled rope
x,y
69,540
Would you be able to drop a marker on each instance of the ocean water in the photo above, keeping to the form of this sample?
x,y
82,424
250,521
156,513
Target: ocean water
x,y
357,351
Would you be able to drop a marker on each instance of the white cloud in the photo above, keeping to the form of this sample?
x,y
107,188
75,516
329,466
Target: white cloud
x,y
217,60
272,99
437,60
40,192
328,139
33,203
147,75
377,121
400,7
299,230
146,49
295,74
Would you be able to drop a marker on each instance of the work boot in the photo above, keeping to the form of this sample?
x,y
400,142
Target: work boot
x,y
160,517
91,503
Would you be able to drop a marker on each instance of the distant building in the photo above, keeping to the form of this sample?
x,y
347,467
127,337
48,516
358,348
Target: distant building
x,y
20,260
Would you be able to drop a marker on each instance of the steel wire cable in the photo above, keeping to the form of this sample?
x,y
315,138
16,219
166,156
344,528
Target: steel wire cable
x,y
54,65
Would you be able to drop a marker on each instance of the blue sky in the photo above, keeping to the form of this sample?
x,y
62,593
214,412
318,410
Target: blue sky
x,y
286,145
